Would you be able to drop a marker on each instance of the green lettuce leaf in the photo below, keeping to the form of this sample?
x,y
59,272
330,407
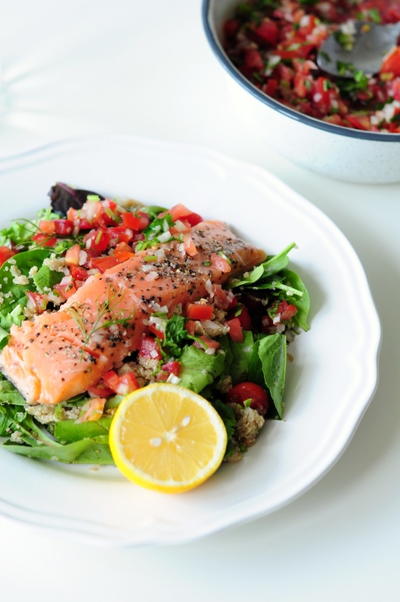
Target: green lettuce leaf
x,y
271,266
84,451
8,393
200,369
45,278
273,357
68,431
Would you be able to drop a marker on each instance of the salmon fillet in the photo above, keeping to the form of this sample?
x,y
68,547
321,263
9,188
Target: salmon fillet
x,y
58,355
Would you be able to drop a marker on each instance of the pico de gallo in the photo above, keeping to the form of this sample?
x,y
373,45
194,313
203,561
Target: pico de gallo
x,y
229,345
274,44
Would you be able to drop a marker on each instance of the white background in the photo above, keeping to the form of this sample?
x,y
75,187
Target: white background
x,y
144,67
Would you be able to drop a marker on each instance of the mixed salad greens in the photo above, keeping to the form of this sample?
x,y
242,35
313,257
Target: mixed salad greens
x,y
231,348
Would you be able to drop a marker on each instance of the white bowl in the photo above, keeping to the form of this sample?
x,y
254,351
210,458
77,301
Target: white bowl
x,y
329,383
339,152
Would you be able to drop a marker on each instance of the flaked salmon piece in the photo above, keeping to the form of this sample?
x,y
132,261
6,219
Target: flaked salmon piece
x,y
58,355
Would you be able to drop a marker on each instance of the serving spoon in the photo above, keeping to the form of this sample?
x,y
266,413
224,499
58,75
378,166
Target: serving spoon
x,y
362,50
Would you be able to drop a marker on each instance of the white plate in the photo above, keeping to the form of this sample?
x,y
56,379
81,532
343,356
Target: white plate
x,y
329,384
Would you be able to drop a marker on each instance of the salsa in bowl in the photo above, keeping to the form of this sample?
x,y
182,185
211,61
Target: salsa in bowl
x,y
275,44
313,138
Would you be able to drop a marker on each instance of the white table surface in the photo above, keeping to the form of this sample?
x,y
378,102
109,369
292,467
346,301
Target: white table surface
x,y
144,68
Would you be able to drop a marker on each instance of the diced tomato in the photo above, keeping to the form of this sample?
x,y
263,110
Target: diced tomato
x,y
131,221
220,263
179,212
78,273
37,301
231,27
180,227
65,290
190,326
144,219
301,50
245,319
120,234
199,311
96,242
73,215
307,28
92,410
266,33
286,310
224,299
154,330
5,253
84,224
320,94
285,74
235,330
63,227
100,390
360,122
122,252
122,256
189,246
270,87
149,348
121,385
123,247
193,219
103,263
44,240
247,390
252,61
207,343
396,88
172,367
47,226
109,215
391,64
111,380
72,255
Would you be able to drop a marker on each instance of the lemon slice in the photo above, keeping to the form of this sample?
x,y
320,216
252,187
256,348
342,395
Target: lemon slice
x,y
167,438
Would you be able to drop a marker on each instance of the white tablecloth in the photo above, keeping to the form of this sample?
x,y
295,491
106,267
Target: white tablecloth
x,y
144,68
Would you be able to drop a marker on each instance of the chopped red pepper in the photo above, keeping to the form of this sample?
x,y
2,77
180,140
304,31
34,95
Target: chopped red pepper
x,y
172,367
78,273
120,234
286,310
100,390
154,330
44,240
97,241
131,221
72,255
103,263
5,253
199,311
391,64
235,330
